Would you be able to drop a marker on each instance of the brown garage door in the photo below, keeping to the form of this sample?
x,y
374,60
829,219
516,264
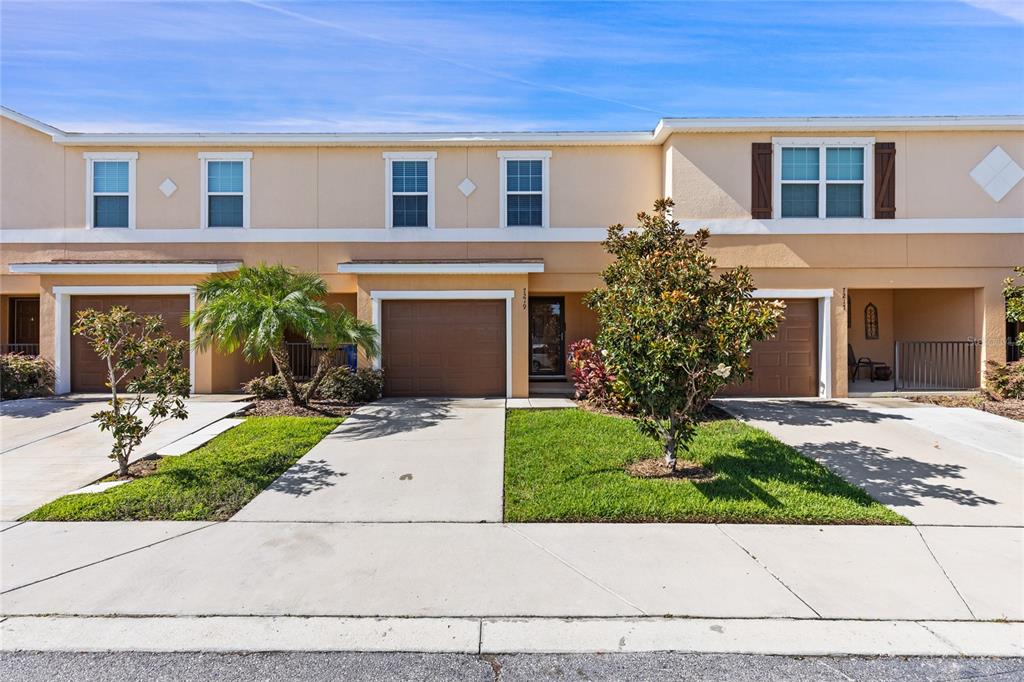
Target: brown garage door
x,y
787,364
88,371
443,348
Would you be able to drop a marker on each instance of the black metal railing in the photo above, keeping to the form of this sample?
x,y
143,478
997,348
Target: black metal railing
x,y
936,365
303,358
20,348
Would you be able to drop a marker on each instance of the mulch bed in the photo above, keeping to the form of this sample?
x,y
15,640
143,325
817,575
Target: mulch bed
x,y
1010,408
285,408
685,471
138,469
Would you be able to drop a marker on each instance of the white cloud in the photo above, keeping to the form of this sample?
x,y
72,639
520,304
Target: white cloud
x,y
1013,9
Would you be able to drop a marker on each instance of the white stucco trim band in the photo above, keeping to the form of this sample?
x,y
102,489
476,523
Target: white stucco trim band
x,y
123,268
376,297
824,297
440,268
62,327
377,235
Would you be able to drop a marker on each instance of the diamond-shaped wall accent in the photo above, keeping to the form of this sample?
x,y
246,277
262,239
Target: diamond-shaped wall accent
x,y
168,187
997,173
467,187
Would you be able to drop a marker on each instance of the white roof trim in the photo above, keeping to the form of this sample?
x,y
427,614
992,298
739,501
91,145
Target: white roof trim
x,y
123,268
439,268
665,127
376,235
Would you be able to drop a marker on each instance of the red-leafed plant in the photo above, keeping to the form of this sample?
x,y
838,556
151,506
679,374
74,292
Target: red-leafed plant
x,y
591,378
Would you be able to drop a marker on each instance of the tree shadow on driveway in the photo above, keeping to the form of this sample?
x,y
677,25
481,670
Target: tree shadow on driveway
x,y
305,478
391,417
805,412
894,480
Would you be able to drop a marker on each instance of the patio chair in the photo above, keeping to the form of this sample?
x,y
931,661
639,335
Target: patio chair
x,y
854,363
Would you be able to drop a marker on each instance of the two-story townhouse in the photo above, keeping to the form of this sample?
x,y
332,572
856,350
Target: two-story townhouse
x,y
886,237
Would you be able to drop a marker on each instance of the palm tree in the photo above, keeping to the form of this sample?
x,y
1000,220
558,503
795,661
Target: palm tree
x,y
253,308
339,327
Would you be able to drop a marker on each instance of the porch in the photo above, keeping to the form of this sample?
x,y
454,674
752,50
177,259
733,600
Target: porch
x,y
20,325
913,341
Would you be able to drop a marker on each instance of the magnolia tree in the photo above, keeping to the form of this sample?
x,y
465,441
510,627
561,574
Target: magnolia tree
x,y
1014,293
675,330
148,382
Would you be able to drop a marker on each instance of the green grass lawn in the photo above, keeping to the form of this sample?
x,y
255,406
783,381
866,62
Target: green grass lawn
x,y
568,465
207,484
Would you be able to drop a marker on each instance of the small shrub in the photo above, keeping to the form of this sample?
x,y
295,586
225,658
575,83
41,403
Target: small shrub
x,y
25,376
591,378
362,386
1005,381
267,387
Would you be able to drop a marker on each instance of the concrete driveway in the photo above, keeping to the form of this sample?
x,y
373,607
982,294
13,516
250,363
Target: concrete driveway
x,y
934,465
50,447
397,460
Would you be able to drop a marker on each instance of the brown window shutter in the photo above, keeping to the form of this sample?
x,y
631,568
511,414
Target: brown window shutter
x,y
761,180
885,180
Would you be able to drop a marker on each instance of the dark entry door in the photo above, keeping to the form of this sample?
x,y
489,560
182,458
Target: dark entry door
x,y
547,336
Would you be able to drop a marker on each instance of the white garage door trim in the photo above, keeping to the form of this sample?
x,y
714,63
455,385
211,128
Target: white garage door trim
x,y
62,327
824,297
453,295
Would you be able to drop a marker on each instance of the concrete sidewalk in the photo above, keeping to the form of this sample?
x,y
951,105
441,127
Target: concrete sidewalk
x,y
934,465
461,587
395,461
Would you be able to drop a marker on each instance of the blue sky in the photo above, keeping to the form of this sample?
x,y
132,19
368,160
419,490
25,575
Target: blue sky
x,y
269,65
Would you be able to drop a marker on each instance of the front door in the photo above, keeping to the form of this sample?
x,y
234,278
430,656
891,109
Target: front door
x,y
547,336
24,325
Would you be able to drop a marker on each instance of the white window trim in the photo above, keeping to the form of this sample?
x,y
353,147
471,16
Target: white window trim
x,y
62,327
866,143
429,157
525,155
90,205
824,297
204,209
451,295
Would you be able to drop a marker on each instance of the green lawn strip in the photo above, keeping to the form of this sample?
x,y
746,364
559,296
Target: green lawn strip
x,y
210,483
567,465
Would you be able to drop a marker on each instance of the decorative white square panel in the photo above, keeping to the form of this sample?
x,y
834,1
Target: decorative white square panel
x,y
467,187
997,173
168,187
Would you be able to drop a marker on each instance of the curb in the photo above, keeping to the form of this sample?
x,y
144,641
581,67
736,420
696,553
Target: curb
x,y
795,637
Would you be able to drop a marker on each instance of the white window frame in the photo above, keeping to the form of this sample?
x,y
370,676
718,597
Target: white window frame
x,y
823,143
389,193
525,155
90,204
204,210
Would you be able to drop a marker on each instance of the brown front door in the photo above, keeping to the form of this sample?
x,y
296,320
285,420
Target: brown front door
x,y
443,348
24,323
787,364
88,371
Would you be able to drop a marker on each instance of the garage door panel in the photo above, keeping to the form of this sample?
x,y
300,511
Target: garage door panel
x,y
787,364
88,370
449,348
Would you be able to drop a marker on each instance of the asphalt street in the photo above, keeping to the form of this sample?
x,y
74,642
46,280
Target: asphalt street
x,y
315,667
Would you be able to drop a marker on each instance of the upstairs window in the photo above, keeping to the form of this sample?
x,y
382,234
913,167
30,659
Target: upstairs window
x,y
410,189
823,178
110,199
524,188
226,189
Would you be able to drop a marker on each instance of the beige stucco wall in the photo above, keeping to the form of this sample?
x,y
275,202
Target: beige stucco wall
x,y
710,175
880,349
31,178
